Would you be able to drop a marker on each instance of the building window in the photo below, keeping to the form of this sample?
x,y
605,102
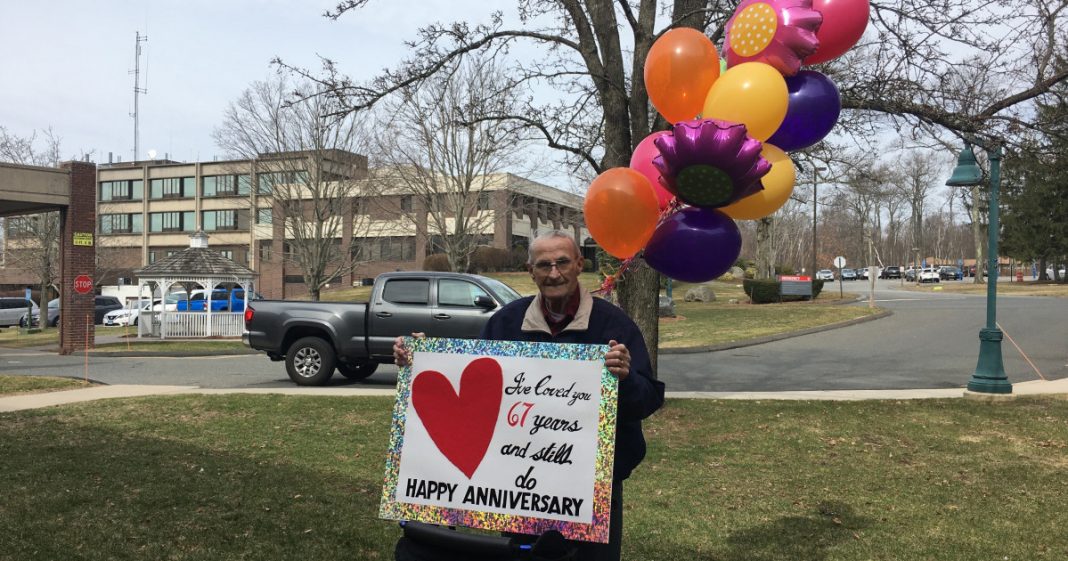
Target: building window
x,y
265,250
396,248
264,216
227,253
171,222
171,188
121,223
225,185
483,201
125,190
212,220
268,180
406,203
22,226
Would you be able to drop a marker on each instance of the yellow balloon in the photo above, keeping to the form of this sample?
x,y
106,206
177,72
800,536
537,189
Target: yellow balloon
x,y
778,184
753,94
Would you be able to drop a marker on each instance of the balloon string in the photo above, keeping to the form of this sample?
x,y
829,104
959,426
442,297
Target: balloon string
x,y
610,281
673,206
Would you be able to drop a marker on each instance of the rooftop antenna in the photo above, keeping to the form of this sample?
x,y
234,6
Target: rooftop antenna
x,y
137,90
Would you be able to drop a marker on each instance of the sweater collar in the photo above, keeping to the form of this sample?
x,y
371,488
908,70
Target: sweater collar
x,y
534,319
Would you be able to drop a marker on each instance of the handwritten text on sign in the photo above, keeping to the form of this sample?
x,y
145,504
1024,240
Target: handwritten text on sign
x,y
504,436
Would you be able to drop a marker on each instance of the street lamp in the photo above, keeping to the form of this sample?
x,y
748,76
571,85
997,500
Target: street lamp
x,y
989,376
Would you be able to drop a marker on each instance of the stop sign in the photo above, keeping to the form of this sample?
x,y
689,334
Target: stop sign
x,y
83,284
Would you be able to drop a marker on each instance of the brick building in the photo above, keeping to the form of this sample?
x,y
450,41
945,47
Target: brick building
x,y
146,211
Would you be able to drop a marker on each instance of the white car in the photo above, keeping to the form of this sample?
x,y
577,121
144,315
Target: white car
x,y
128,316
929,274
825,275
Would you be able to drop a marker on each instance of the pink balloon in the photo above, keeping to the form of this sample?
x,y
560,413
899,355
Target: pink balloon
x,y
844,22
641,161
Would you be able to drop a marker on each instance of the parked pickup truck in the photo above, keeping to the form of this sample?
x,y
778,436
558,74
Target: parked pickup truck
x,y
314,338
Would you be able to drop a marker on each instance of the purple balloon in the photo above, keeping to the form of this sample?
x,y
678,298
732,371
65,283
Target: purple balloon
x,y
694,245
811,112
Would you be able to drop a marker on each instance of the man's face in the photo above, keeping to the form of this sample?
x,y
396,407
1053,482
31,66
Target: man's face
x,y
556,268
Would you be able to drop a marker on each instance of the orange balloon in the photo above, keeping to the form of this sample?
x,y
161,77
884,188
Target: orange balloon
x,y
621,211
778,185
680,68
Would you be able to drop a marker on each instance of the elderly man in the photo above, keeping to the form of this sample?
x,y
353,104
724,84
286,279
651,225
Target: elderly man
x,y
562,312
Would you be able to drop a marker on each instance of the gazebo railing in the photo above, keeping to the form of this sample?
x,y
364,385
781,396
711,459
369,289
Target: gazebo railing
x,y
191,324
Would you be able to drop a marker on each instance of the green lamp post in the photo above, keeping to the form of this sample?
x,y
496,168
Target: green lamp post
x,y
989,376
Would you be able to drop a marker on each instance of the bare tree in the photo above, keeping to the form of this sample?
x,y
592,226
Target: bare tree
x,y
304,157
919,174
908,74
441,146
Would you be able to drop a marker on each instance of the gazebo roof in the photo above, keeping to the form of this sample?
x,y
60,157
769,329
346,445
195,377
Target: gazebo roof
x,y
196,261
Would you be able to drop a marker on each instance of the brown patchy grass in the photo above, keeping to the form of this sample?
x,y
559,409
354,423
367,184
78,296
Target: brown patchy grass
x,y
1026,288
11,385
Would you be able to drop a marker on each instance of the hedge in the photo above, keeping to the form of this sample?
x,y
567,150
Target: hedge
x,y
766,291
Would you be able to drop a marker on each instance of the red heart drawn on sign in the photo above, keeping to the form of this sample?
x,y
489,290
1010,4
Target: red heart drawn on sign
x,y
461,424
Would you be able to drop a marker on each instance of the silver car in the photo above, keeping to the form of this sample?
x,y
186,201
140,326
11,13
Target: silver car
x,y
13,308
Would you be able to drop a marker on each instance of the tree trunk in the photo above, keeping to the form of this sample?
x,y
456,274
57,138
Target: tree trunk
x,y
765,262
977,236
639,296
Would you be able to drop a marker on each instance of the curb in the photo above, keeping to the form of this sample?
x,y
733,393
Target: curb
x,y
769,338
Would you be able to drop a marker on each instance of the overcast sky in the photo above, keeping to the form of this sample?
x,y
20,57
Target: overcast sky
x,y
68,64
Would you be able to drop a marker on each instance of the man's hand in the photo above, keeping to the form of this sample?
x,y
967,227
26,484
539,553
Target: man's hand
x,y
617,360
402,356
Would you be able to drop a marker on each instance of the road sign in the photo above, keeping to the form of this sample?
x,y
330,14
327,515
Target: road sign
x,y
839,262
83,284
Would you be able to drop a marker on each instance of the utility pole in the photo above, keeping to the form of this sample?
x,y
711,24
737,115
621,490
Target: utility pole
x,y
137,91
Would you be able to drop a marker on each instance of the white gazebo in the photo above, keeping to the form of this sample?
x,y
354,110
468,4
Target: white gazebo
x,y
195,267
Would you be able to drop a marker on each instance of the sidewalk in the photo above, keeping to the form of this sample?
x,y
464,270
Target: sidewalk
x,y
49,399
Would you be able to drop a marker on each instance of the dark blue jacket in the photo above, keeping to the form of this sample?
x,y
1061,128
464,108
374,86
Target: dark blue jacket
x,y
639,394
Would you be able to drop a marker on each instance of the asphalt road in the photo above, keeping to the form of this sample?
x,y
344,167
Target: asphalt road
x,y
930,341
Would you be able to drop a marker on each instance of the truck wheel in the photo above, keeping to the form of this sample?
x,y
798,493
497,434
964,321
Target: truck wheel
x,y
357,371
310,361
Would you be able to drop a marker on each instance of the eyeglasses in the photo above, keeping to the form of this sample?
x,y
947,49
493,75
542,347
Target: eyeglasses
x,y
547,266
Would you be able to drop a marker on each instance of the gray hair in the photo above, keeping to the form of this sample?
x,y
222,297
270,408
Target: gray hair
x,y
549,235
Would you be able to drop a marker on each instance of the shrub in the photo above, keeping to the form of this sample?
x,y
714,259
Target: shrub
x,y
766,291
761,291
487,258
436,262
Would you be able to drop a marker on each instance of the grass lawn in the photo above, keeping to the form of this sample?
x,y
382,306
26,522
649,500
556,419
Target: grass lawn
x,y
289,477
700,324
14,337
10,385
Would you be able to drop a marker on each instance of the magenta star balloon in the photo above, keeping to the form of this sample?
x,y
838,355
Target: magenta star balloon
x,y
710,163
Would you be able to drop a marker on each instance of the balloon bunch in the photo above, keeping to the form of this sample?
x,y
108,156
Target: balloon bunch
x,y
724,158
